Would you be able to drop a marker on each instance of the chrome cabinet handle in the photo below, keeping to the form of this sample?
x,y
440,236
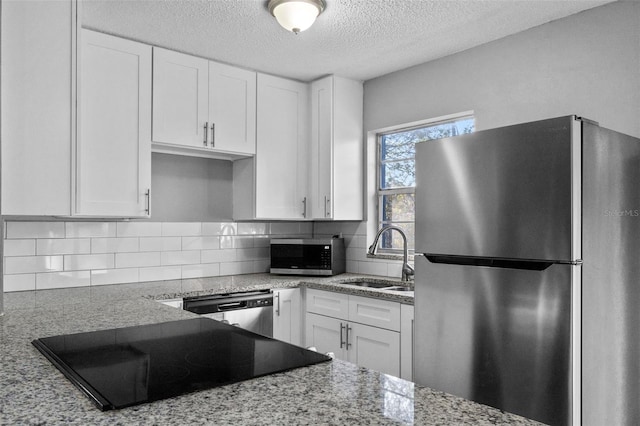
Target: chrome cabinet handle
x,y
348,328
304,207
341,341
213,135
277,295
327,207
147,195
206,133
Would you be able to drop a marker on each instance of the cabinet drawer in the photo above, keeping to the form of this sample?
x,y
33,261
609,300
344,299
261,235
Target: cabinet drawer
x,y
375,312
328,303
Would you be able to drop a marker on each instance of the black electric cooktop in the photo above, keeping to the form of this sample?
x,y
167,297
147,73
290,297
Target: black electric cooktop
x,y
127,366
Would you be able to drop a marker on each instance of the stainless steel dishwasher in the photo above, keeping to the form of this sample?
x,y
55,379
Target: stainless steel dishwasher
x,y
251,310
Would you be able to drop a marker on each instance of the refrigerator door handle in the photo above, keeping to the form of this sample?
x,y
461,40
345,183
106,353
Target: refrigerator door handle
x,y
534,265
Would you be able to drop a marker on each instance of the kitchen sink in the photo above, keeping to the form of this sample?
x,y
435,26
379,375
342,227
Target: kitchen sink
x,y
381,285
398,288
371,284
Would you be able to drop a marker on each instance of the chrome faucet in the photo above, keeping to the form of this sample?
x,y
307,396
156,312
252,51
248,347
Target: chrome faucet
x,y
407,270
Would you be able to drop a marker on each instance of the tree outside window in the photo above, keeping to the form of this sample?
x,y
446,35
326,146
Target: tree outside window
x,y
397,176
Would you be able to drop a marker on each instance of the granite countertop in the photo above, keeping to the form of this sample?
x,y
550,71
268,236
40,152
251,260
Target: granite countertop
x,y
33,391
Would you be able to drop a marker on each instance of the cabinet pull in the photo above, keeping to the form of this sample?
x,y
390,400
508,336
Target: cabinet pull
x,y
348,344
277,296
147,195
206,133
213,135
341,341
304,207
327,207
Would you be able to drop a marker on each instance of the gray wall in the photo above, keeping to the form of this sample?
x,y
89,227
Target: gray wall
x,y
586,64
189,189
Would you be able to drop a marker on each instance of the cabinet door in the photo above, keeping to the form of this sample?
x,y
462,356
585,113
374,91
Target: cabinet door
x,y
406,342
232,109
38,106
287,315
337,149
113,153
281,152
328,303
374,348
326,334
322,148
180,97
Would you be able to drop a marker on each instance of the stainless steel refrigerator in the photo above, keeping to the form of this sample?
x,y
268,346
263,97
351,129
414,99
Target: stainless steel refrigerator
x,y
527,294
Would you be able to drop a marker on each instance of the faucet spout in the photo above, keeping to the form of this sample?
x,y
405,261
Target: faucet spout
x,y
407,270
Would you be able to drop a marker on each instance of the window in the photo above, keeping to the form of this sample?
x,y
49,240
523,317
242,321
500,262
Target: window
x,y
397,177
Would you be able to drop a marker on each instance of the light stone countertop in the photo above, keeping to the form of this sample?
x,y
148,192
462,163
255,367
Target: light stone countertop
x,y
33,391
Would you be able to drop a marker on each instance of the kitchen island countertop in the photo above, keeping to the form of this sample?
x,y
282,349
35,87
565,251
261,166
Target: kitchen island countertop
x,y
33,391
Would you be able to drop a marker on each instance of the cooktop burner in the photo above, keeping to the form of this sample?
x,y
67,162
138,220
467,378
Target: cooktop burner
x,y
121,367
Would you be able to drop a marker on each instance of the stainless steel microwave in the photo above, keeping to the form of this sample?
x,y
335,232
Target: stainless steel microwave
x,y
308,256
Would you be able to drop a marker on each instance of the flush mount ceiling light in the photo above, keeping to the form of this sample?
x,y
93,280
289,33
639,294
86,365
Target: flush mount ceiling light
x,y
296,15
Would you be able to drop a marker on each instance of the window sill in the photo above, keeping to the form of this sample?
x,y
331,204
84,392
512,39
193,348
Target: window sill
x,y
389,256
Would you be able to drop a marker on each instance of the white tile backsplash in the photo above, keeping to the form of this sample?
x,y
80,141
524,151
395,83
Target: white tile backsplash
x,y
217,256
115,245
20,282
131,260
160,273
181,229
201,270
81,262
160,243
63,279
139,229
180,257
20,247
32,264
201,243
236,268
55,254
219,228
35,230
114,276
253,228
63,246
90,229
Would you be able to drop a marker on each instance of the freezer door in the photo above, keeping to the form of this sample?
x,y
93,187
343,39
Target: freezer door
x,y
504,193
498,336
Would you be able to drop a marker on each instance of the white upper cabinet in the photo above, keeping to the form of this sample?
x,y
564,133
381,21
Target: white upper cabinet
x,y
180,98
337,149
232,108
113,153
281,171
203,105
38,106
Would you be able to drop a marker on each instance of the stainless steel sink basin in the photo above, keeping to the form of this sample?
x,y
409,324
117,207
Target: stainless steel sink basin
x,y
371,284
381,285
398,288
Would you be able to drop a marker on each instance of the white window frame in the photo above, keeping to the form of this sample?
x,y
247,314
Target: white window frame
x,y
376,138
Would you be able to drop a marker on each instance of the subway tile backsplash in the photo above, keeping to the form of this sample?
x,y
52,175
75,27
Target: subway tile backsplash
x,y
47,254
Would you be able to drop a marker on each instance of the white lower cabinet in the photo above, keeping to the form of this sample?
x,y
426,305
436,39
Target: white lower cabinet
x,y
366,333
406,341
287,315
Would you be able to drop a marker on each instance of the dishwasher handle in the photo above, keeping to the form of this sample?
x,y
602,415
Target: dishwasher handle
x,y
231,306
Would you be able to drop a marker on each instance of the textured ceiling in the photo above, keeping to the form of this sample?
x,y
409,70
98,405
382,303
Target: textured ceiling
x,y
360,39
